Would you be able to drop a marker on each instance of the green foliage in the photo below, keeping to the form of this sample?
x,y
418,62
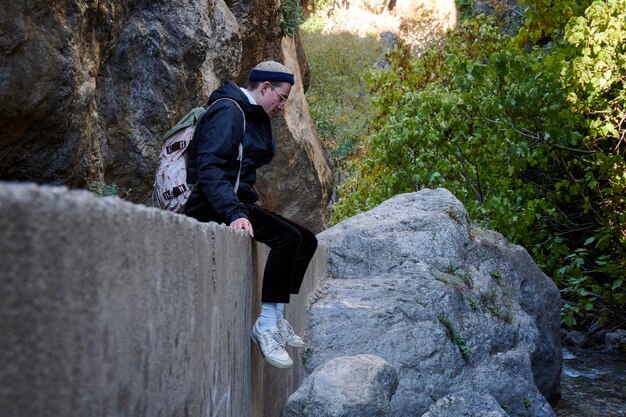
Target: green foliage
x,y
495,274
312,6
104,190
546,19
530,139
451,268
290,16
527,402
339,107
493,309
594,72
313,25
455,336
465,8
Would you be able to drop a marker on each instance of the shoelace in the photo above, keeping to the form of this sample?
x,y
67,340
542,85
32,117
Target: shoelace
x,y
276,336
288,329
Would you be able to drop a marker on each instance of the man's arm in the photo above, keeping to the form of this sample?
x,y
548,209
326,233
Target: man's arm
x,y
218,134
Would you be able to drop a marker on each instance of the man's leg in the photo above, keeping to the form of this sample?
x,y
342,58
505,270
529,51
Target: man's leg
x,y
305,253
291,249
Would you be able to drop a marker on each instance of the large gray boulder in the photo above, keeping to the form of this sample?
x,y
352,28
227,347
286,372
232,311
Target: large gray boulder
x,y
466,404
451,306
348,386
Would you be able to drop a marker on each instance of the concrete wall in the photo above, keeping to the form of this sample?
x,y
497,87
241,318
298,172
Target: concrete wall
x,y
114,309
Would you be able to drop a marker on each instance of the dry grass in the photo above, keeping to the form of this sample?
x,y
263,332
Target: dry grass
x,y
420,23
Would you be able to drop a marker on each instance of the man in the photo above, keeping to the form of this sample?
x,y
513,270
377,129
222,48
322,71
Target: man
x,y
213,163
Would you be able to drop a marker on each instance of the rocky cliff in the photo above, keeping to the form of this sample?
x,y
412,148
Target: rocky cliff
x,y
87,88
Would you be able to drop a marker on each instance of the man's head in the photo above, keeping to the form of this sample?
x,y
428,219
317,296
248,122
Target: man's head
x,y
270,84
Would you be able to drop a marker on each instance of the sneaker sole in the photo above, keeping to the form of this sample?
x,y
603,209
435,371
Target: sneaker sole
x,y
296,345
281,365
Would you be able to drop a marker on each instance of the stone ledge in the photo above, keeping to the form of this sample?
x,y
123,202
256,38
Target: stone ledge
x,y
111,308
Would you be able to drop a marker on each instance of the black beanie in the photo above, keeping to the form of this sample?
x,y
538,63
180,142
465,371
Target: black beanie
x,y
272,71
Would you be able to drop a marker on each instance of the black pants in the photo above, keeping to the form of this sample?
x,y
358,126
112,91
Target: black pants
x,y
291,249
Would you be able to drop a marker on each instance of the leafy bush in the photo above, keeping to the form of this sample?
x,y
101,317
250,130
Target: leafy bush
x,y
594,71
290,16
531,139
340,104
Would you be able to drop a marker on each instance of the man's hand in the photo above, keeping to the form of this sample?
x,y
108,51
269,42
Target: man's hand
x,y
242,223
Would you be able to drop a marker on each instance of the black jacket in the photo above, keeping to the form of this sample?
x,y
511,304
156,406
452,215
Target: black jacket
x,y
212,156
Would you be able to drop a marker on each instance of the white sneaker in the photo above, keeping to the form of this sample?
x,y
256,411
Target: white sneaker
x,y
271,344
290,338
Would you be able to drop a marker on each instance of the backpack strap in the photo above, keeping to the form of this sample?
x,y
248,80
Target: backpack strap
x,y
240,156
189,120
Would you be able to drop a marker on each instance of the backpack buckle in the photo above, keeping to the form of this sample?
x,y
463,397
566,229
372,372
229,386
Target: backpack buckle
x,y
176,146
175,192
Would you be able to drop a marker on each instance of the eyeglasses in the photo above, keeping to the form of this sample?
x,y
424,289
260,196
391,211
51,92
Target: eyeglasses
x,y
283,97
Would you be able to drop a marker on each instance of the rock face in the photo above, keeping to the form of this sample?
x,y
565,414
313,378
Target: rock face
x,y
88,88
452,307
349,386
465,404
